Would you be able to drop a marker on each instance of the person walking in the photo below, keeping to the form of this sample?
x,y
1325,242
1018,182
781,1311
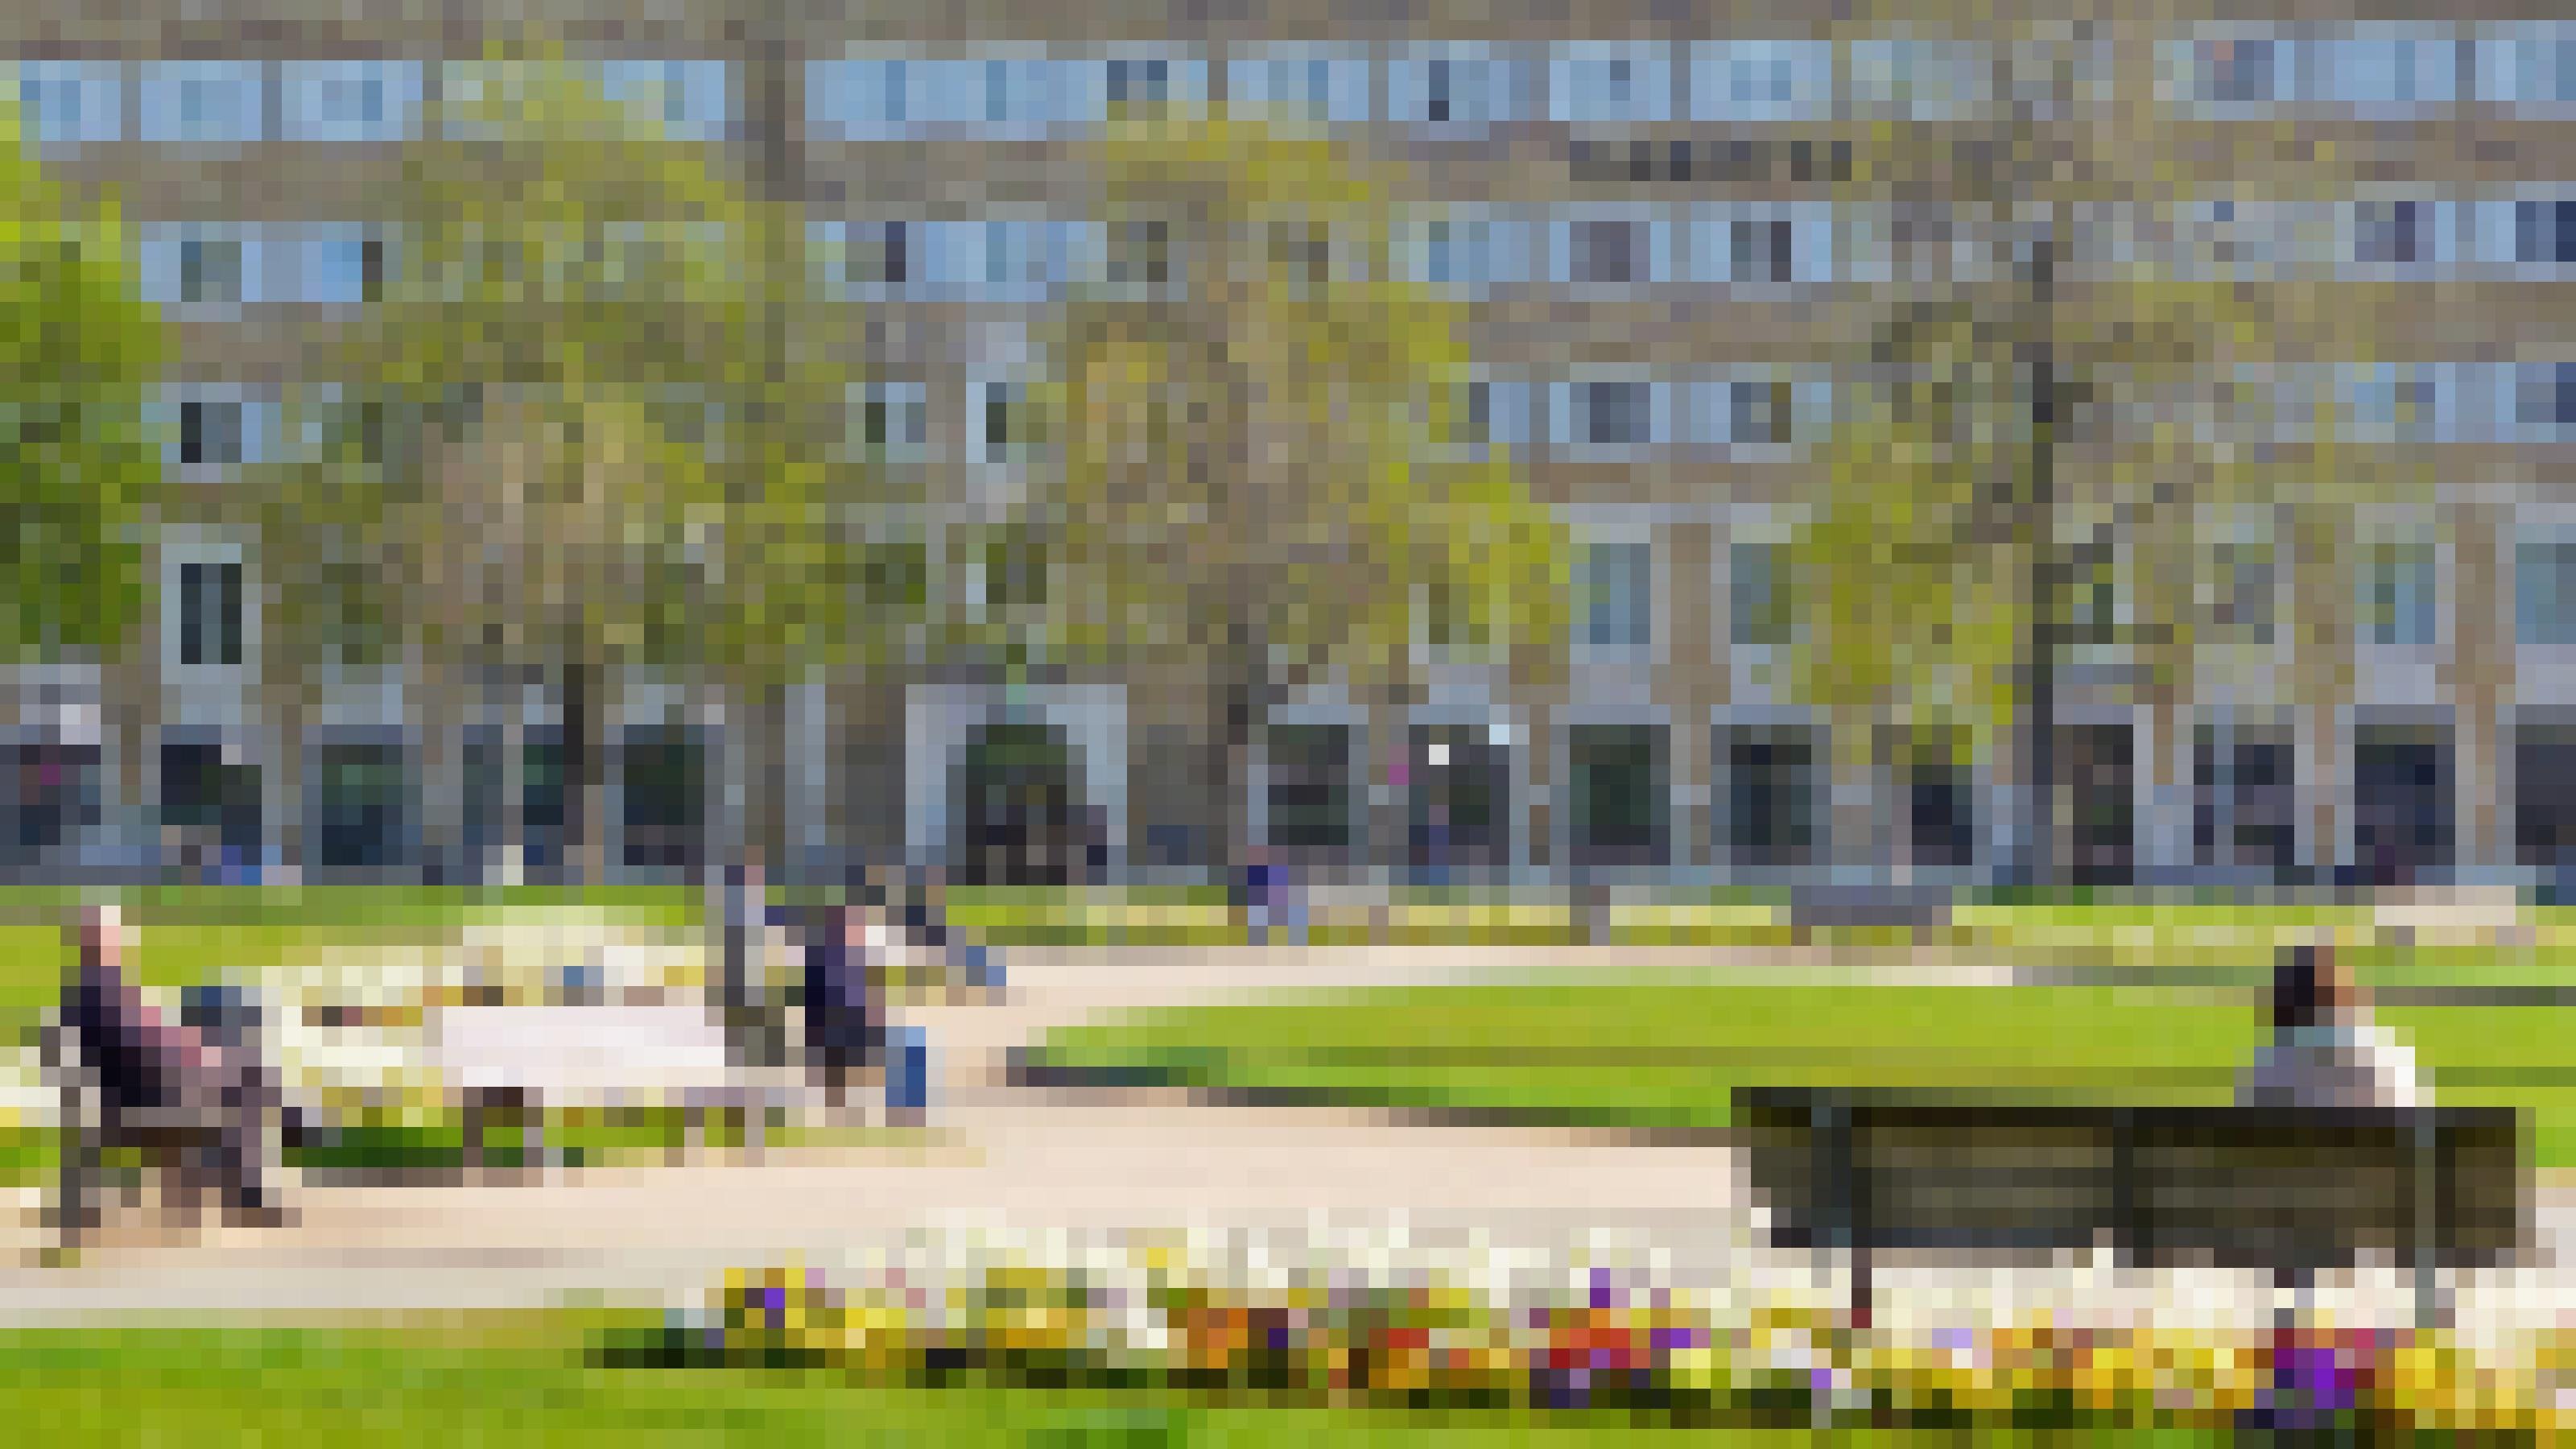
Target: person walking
x,y
842,1009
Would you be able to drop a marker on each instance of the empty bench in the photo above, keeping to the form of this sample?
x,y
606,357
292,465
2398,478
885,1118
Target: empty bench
x,y
2294,1190
509,1064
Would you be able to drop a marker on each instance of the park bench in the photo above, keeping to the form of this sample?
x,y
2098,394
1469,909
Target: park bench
x,y
507,1065
218,1129
2295,1190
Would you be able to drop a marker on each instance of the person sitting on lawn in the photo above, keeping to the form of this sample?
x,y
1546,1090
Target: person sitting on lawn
x,y
2326,1051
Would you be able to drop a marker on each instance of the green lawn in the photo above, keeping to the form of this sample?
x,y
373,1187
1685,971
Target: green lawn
x,y
1185,915
1669,1055
520,1379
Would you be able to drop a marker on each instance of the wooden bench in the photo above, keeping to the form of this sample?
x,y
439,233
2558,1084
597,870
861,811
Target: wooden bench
x,y
2293,1190
509,1064
193,1139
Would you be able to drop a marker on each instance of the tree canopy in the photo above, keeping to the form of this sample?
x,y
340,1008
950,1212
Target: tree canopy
x,y
81,353
1263,476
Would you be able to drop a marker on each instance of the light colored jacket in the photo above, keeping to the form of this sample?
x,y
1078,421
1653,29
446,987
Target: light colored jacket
x,y
2349,1063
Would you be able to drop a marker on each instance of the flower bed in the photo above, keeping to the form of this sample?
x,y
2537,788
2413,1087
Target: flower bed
x,y
1424,1336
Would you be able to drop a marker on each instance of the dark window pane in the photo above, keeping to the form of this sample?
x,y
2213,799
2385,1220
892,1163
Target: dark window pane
x,y
192,613
229,612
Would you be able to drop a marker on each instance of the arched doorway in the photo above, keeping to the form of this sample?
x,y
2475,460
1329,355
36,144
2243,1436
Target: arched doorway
x,y
1016,813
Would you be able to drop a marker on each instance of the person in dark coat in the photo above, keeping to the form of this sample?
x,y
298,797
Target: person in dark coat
x,y
842,1012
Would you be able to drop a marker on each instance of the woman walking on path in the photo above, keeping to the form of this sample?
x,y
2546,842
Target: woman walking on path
x,y
842,1011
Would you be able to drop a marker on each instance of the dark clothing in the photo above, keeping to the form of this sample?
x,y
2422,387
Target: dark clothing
x,y
840,1005
140,1059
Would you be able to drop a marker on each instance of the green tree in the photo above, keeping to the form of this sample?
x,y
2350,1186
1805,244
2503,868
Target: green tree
x,y
2072,390
1252,488
79,359
595,421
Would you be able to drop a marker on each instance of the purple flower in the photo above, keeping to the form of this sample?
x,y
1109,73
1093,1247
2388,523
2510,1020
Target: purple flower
x,y
1600,1288
1669,1340
773,1301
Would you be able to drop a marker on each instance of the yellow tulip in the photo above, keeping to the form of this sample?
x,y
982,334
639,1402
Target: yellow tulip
x,y
1695,1369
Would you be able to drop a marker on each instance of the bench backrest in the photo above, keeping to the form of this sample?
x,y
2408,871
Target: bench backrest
x,y
2230,1186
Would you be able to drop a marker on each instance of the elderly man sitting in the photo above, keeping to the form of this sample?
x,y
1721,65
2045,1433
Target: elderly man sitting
x,y
131,1077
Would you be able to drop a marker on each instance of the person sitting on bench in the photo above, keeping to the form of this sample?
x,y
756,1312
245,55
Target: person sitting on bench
x,y
133,1065
2325,1049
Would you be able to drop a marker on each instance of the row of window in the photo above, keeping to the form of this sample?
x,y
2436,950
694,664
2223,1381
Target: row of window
x,y
2375,68
1462,86
2398,584
1746,412
2384,237
1468,249
242,102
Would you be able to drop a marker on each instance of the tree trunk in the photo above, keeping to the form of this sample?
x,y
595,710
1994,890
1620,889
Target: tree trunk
x,y
1229,770
288,715
509,865
1858,846
133,688
768,738
2036,865
585,772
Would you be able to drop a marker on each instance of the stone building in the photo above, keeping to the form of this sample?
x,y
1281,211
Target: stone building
x,y
1644,202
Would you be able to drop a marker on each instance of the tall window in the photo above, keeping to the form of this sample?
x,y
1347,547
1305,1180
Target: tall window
x,y
210,614
893,422
1758,594
2398,592
2244,607
2093,593
210,431
1617,579
2545,592
1611,413
210,269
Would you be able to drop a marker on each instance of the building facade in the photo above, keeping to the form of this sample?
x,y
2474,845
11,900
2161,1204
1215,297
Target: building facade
x,y
1653,212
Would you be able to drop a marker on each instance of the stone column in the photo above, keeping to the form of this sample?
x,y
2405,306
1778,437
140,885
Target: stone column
x,y
1686,688
281,798
2164,789
2322,740
2479,681
1860,839
1541,806
1385,747
809,776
